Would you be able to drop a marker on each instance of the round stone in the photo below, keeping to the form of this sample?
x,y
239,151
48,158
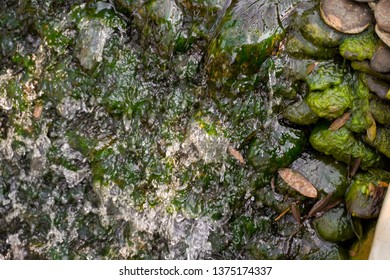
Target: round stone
x,y
379,87
385,36
382,15
380,61
346,16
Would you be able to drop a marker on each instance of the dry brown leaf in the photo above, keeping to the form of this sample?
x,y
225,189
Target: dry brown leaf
x,y
371,131
311,67
354,166
236,154
382,184
320,205
37,110
340,121
371,189
298,182
295,212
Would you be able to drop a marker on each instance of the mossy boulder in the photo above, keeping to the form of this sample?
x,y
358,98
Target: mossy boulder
x,y
335,225
300,113
332,102
343,145
278,148
364,196
359,47
317,31
381,141
244,40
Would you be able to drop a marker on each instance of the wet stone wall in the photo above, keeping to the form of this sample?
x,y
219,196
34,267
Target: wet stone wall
x,y
159,130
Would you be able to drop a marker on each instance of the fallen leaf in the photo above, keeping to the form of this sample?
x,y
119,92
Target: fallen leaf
x,y
311,67
371,189
236,154
354,166
295,212
382,184
371,131
340,121
320,205
298,182
37,110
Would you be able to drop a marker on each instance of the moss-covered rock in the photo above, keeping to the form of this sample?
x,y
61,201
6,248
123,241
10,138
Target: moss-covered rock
x,y
317,31
277,149
244,40
300,113
335,225
325,75
364,196
298,46
380,110
359,47
343,145
381,141
332,102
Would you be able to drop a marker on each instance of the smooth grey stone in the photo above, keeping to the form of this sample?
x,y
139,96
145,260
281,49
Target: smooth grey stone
x,y
346,16
382,15
385,36
380,61
379,87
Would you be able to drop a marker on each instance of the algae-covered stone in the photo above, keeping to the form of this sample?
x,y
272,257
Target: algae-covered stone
x,y
359,47
278,148
343,145
325,75
332,102
315,30
360,119
247,35
381,141
380,110
364,197
298,46
335,225
300,113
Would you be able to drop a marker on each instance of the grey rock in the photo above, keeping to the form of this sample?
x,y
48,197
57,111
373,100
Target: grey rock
x,y
379,87
380,62
90,43
385,36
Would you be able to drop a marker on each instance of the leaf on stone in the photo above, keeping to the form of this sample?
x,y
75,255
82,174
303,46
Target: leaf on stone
x,y
354,166
236,154
320,205
371,131
311,67
340,121
298,182
295,212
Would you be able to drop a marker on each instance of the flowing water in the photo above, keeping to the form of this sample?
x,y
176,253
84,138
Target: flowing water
x,y
114,137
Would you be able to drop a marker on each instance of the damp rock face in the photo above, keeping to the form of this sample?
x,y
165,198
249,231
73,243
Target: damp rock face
x,y
90,43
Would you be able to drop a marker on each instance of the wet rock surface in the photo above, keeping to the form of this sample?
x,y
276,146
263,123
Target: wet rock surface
x,y
156,130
